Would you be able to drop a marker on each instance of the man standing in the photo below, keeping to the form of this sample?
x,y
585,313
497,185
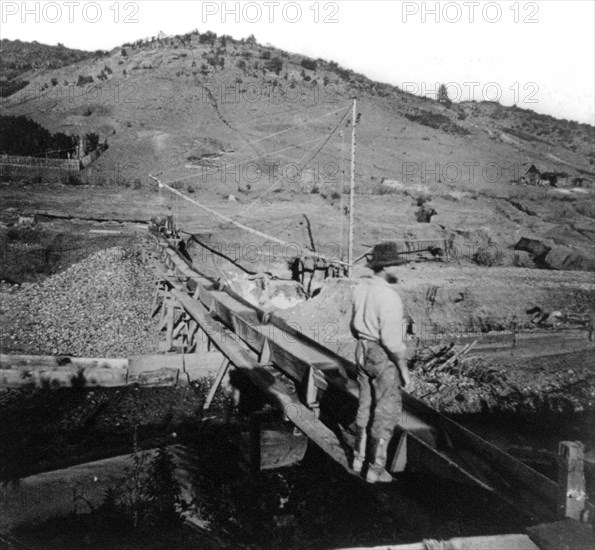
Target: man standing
x,y
378,324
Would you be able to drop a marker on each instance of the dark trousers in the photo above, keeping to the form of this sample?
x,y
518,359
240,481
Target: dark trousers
x,y
379,390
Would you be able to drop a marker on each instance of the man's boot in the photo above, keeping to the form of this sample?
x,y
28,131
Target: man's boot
x,y
359,451
376,471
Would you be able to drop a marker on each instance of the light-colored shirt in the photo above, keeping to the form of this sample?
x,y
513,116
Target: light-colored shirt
x,y
377,315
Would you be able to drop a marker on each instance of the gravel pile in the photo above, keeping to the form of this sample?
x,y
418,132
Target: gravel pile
x,y
99,307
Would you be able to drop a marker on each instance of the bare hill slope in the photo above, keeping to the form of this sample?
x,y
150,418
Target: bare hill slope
x,y
214,114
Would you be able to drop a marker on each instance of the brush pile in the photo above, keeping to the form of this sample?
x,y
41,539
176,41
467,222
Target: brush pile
x,y
444,358
439,381
582,318
456,384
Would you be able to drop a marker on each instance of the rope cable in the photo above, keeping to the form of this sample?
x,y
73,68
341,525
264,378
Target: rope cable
x,y
268,137
302,167
252,159
300,252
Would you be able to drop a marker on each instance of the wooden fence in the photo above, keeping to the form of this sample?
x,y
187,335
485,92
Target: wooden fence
x,y
36,162
14,164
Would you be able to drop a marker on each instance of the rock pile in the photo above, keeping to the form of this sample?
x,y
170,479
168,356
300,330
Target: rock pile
x,y
99,307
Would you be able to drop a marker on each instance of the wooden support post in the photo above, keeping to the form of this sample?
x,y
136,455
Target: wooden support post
x,y
156,305
222,370
351,190
164,305
182,325
162,316
158,298
265,353
235,397
201,341
571,478
399,461
190,335
169,331
274,444
312,393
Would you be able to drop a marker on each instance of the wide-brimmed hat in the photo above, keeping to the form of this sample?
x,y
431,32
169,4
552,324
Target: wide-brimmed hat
x,y
385,255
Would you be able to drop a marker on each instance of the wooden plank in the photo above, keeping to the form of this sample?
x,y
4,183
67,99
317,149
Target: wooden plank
x,y
491,542
8,361
67,376
61,371
148,369
296,364
286,352
216,383
571,476
301,416
420,455
566,534
503,472
50,372
295,368
222,338
159,377
209,361
399,461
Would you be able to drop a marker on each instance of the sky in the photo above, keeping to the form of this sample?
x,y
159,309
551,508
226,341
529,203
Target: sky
x,y
539,55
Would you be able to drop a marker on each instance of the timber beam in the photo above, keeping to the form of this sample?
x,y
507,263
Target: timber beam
x,y
18,371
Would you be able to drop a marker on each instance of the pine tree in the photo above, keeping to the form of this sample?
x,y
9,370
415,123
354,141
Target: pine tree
x,y
163,491
443,96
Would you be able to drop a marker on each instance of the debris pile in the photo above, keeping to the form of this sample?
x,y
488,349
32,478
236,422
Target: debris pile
x,y
444,358
555,256
438,377
99,307
469,385
560,319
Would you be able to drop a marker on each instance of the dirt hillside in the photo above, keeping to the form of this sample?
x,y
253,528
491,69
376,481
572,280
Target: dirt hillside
x,y
221,117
